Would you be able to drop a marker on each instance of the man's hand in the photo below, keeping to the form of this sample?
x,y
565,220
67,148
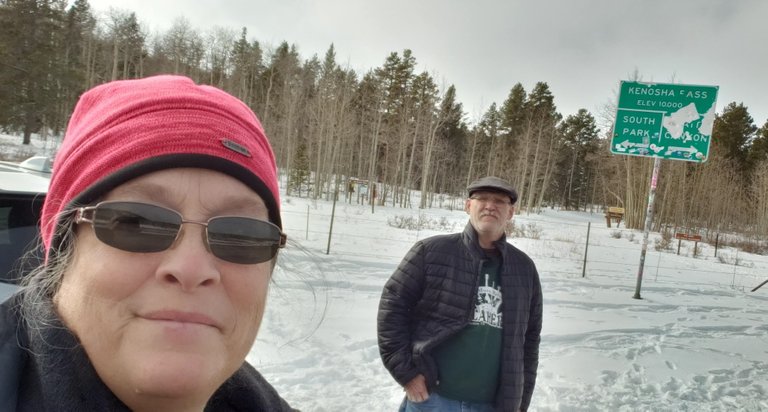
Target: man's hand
x,y
416,389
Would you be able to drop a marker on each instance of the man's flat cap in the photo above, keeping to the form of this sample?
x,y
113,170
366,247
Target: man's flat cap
x,y
493,184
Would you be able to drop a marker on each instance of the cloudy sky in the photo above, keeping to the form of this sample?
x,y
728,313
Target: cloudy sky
x,y
581,48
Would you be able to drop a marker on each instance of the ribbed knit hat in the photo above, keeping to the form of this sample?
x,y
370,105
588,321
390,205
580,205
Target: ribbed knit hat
x,y
125,129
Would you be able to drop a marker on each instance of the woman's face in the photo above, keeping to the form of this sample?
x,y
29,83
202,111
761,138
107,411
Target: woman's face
x,y
170,325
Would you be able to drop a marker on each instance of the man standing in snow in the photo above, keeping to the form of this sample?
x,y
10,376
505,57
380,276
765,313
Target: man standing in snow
x,y
459,321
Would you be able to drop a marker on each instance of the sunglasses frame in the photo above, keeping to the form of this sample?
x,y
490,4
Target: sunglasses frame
x,y
495,201
86,214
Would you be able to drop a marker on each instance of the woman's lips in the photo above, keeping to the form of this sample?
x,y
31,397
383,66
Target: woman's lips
x,y
181,317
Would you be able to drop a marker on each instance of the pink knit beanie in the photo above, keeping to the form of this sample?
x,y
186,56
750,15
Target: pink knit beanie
x,y
125,129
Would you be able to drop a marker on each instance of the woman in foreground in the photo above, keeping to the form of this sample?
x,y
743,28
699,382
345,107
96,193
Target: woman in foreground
x,y
161,228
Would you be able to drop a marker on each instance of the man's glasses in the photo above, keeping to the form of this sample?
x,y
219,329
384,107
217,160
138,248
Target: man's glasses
x,y
496,201
143,228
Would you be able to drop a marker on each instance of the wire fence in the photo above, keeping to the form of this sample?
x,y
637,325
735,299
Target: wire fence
x,y
572,249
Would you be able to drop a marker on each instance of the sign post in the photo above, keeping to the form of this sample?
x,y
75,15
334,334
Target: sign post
x,y
648,220
663,121
685,236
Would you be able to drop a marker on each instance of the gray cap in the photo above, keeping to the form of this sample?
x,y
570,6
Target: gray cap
x,y
493,184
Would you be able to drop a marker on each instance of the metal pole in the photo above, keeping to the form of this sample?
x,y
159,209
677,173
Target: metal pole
x,y
648,220
306,234
717,243
333,213
586,247
760,285
371,191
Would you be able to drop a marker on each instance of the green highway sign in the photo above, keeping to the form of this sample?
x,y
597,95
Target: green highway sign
x,y
669,121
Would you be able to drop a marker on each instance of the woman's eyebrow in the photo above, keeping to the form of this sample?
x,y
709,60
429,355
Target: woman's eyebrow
x,y
243,202
147,190
240,203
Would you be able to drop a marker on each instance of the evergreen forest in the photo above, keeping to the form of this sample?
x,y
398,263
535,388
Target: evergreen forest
x,y
391,125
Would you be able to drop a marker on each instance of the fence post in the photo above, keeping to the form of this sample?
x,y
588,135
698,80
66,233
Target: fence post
x,y
717,242
333,213
371,191
586,248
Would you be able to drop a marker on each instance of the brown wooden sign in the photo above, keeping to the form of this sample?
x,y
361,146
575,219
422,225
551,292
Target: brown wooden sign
x,y
685,236
615,213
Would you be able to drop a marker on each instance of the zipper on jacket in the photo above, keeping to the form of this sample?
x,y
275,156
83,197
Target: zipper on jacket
x,y
473,295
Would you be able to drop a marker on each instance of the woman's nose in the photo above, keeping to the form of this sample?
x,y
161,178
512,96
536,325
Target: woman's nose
x,y
188,262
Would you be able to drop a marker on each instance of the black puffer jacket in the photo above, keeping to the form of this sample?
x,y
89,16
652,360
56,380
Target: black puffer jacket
x,y
45,369
431,296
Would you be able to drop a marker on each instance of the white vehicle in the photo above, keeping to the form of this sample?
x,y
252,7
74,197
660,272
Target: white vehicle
x,y
22,190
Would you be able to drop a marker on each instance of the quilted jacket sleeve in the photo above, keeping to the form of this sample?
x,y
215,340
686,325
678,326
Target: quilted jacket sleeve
x,y
532,340
401,293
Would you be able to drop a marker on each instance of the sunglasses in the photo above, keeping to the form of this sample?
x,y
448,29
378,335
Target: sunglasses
x,y
145,228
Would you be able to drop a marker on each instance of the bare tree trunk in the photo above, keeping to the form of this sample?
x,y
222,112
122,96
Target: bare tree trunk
x,y
374,152
472,158
547,172
521,178
569,185
318,118
265,120
115,50
425,167
760,190
491,154
532,186
361,137
289,128
638,173
409,173
126,58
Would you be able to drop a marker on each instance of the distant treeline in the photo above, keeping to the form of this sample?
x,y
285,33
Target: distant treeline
x,y
389,125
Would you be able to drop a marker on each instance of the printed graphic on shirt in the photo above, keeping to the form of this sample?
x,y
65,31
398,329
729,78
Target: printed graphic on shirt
x,y
488,305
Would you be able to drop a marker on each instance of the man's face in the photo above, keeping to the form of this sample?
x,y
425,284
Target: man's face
x,y
489,212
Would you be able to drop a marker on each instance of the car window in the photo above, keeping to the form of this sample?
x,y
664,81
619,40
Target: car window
x,y
19,233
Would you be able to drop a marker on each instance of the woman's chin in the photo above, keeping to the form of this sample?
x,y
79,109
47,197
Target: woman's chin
x,y
178,375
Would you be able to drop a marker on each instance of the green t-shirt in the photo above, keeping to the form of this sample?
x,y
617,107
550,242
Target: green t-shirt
x,y
469,362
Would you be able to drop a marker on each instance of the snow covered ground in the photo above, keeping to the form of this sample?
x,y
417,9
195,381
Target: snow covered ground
x,y
697,341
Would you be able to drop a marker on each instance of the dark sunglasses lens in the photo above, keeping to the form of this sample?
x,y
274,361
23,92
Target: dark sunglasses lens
x,y
136,227
243,240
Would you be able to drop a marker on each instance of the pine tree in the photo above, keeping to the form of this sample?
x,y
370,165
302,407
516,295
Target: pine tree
x,y
247,67
31,52
540,136
451,134
491,128
513,119
572,181
732,136
298,178
758,150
